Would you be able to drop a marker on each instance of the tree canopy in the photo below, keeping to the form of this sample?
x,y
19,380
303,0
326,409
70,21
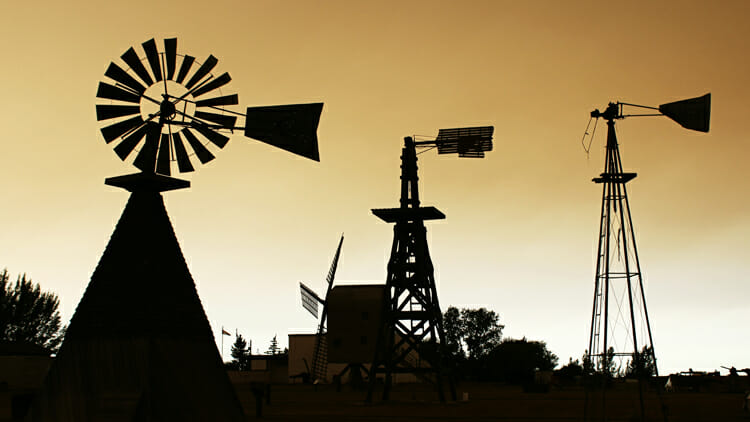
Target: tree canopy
x,y
240,354
27,314
477,329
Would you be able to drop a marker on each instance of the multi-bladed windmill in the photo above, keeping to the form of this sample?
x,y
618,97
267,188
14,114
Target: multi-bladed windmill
x,y
181,110
620,327
310,301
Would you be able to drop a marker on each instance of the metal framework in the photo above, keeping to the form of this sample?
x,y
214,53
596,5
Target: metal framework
x,y
618,282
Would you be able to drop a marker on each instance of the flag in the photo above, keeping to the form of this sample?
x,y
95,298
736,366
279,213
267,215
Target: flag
x,y
225,332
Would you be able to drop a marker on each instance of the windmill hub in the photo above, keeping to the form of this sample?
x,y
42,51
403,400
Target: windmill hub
x,y
167,109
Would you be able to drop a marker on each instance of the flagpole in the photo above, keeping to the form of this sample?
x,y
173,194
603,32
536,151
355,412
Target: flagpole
x,y
222,345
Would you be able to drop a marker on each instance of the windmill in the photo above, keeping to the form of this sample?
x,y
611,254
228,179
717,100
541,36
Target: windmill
x,y
412,323
181,111
310,301
618,282
139,345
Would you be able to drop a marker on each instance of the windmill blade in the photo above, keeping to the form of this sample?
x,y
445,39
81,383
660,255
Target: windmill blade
x,y
310,300
131,58
107,111
214,84
202,71
183,160
215,137
129,143
163,158
203,154
223,120
170,56
187,62
335,263
112,92
152,54
116,73
111,132
219,101
290,127
146,158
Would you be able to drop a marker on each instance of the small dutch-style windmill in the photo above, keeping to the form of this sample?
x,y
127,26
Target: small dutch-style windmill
x,y
411,337
139,345
620,332
310,301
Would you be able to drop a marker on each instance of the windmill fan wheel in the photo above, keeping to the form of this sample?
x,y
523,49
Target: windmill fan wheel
x,y
166,107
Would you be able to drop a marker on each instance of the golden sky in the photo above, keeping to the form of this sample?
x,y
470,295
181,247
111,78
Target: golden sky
x,y
521,228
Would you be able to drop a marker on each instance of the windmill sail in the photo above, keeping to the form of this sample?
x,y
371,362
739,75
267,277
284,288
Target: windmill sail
x,y
310,300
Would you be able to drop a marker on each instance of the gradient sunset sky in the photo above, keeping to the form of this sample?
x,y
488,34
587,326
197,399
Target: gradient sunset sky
x,y
522,224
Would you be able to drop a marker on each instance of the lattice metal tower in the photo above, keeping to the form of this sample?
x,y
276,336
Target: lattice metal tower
x,y
620,339
411,339
618,270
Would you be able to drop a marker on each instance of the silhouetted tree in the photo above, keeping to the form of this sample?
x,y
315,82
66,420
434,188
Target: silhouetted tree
x,y
29,315
647,364
453,328
240,354
481,331
516,360
570,370
273,349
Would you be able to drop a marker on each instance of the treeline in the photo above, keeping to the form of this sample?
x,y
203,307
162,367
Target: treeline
x,y
477,350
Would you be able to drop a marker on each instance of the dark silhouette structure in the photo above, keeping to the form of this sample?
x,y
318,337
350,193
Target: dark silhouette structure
x,y
139,345
310,301
181,112
411,317
620,327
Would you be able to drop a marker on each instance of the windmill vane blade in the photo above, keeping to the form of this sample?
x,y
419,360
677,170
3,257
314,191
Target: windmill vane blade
x,y
111,132
129,143
183,160
152,54
131,58
203,154
202,71
223,120
187,62
163,158
116,73
290,127
146,158
469,142
214,84
114,93
109,111
215,137
170,56
219,101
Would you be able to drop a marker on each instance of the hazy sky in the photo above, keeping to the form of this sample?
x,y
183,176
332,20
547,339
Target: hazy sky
x,y
521,228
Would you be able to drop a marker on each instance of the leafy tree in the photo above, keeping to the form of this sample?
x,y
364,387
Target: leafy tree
x,y
29,315
643,363
453,328
570,370
477,329
240,354
481,331
516,360
273,349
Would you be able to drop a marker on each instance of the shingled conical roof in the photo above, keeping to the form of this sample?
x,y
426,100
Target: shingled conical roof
x,y
139,346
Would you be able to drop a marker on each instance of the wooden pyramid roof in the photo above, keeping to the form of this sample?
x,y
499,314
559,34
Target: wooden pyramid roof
x,y
139,346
